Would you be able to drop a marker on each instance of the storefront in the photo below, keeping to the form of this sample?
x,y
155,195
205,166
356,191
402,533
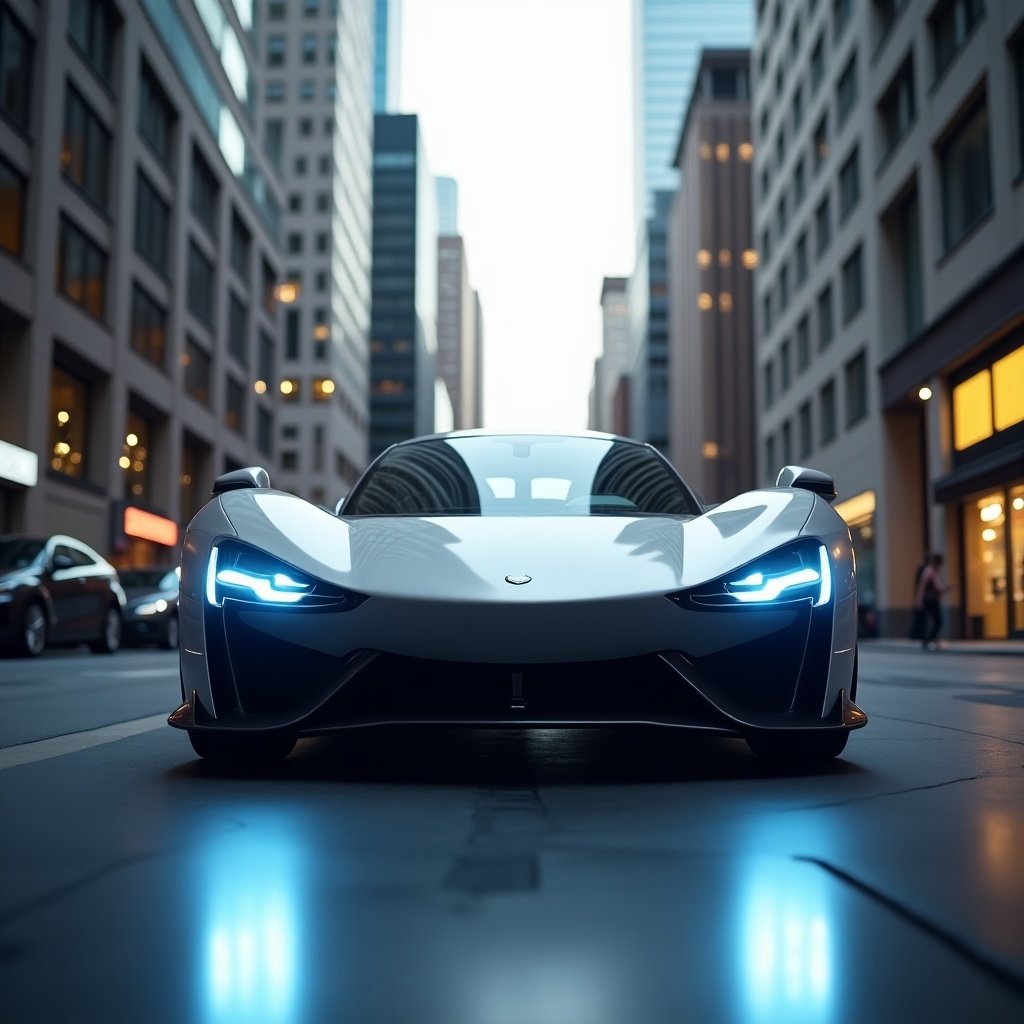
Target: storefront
x,y
19,470
141,539
859,514
986,489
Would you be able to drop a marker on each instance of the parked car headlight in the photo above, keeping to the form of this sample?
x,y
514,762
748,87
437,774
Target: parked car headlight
x,y
151,607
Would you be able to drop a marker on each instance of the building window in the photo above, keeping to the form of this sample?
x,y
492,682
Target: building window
x,y
266,365
826,318
886,11
85,150
295,202
69,421
822,227
200,284
799,183
323,389
817,63
989,401
305,127
803,344
149,326
806,428
781,215
906,222
853,285
265,431
15,69
849,184
856,386
780,147
156,115
819,144
323,202
191,495
290,460
846,91
135,458
841,12
787,442
769,385
204,193
300,166
295,243
798,109
273,140
898,106
291,334
234,405
324,164
275,51
290,389
198,371
276,9
966,175
238,328
241,246
785,368
322,242
766,245
951,24
309,48
769,457
800,259
274,91
269,284
783,289
13,197
766,303
92,24
311,8
827,412
81,269
152,223
307,89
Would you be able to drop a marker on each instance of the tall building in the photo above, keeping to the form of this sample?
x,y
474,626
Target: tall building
x,y
447,206
139,267
458,350
403,348
613,365
711,262
387,55
668,36
889,145
318,123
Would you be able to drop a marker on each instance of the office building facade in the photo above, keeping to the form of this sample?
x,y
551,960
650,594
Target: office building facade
x,y
889,160
711,261
458,348
612,366
318,124
403,346
139,267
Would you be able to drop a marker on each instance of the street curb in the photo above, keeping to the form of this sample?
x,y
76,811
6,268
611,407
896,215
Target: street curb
x,y
992,647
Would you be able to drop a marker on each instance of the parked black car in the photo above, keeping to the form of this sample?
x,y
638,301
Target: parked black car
x,y
57,591
151,612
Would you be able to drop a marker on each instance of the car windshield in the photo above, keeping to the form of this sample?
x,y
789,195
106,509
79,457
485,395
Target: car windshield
x,y
521,475
17,552
154,579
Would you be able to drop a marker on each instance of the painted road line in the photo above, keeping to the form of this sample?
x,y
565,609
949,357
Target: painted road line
x,y
56,746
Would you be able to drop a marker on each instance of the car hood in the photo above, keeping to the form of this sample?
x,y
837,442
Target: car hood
x,y
566,557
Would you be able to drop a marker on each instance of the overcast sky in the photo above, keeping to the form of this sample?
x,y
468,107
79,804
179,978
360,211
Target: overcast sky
x,y
527,104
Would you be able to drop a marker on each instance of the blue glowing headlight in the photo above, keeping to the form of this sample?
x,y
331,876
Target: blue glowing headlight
x,y
798,572
250,578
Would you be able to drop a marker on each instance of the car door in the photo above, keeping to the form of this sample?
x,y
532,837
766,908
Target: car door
x,y
67,586
94,591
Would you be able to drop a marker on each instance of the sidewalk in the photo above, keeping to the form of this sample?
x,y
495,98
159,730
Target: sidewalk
x,y
892,645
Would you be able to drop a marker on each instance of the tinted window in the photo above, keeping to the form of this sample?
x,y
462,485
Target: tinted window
x,y
17,552
521,475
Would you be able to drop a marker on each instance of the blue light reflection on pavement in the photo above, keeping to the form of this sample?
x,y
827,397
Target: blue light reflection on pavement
x,y
252,910
789,960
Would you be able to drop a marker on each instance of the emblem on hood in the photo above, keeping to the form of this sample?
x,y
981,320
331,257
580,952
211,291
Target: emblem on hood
x,y
518,580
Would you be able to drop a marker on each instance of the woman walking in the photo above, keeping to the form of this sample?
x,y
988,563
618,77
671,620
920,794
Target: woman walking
x,y
930,586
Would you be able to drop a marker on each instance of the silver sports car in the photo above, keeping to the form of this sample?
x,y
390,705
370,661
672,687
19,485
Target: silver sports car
x,y
519,580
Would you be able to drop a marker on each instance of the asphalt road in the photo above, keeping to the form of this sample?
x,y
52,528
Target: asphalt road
x,y
503,877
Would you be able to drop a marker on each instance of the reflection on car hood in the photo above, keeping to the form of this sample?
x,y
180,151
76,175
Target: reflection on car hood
x,y
566,557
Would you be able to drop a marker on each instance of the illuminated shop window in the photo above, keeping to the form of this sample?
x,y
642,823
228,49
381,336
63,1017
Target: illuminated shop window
x,y
323,389
1008,389
69,408
972,410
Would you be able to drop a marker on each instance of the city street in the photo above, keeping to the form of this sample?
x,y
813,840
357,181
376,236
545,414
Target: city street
x,y
504,877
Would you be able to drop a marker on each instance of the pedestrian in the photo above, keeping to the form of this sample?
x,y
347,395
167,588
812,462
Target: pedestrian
x,y
917,622
930,586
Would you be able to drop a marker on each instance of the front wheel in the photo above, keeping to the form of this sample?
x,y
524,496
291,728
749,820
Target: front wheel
x,y
799,749
241,749
110,637
31,639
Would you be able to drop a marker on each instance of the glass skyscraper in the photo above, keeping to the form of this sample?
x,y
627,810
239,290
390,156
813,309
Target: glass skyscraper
x,y
387,41
668,36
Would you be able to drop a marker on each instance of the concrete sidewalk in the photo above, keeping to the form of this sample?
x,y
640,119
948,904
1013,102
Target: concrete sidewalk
x,y
892,645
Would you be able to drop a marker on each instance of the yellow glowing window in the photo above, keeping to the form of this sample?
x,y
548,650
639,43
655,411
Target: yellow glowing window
x,y
972,410
857,510
1008,388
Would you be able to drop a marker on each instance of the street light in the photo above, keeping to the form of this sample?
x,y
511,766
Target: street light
x,y
924,393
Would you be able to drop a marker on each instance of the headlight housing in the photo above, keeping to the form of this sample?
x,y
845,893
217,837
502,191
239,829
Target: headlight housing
x,y
237,572
151,607
796,573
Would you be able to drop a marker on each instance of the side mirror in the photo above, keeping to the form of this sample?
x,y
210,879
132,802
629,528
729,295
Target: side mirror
x,y
808,479
63,562
251,476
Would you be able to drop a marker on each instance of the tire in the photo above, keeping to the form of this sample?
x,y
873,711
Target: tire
x,y
802,749
110,638
31,639
242,749
169,641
